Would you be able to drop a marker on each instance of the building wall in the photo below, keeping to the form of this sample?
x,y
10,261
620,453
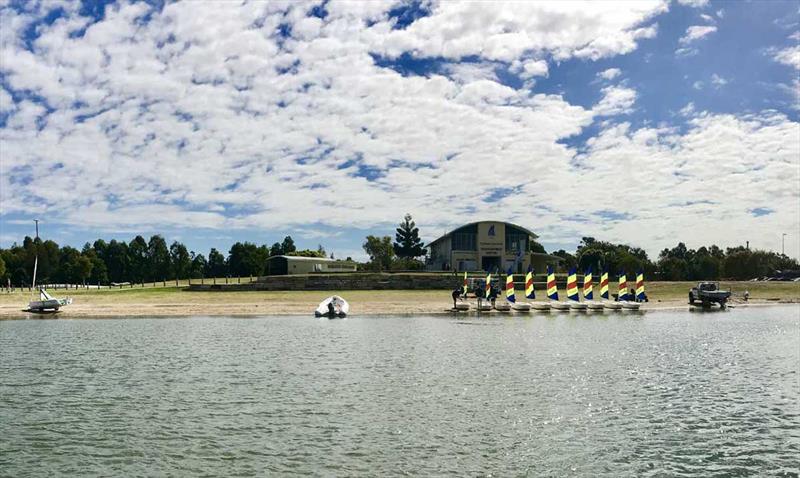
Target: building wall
x,y
294,266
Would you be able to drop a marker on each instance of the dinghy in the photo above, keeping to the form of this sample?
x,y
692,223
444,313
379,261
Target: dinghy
x,y
607,304
623,297
502,306
572,291
628,305
484,306
552,292
588,291
461,306
540,306
46,303
334,307
511,295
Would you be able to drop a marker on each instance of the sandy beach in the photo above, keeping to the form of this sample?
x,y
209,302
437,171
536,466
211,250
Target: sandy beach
x,y
175,301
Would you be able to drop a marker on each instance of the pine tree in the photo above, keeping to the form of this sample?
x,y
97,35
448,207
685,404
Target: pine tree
x,y
407,242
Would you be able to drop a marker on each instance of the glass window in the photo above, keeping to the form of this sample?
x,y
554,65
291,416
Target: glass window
x,y
464,241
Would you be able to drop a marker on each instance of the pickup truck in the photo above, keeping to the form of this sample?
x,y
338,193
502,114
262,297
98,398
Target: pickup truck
x,y
707,293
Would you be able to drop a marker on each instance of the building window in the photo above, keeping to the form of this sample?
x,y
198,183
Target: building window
x,y
464,241
516,241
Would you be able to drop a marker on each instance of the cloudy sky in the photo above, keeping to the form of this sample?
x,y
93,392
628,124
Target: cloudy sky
x,y
642,122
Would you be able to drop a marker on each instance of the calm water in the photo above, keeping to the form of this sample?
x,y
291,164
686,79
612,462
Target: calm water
x,y
662,394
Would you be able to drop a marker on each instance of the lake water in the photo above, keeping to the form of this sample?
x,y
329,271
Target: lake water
x,y
660,394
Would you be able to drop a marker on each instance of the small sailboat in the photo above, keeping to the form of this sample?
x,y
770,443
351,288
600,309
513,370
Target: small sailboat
x,y
572,291
511,297
608,304
640,295
484,305
334,307
46,303
505,306
552,292
623,297
461,304
530,294
588,294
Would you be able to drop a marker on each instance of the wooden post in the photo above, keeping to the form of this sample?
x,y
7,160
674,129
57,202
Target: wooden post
x,y
226,279
239,280
214,280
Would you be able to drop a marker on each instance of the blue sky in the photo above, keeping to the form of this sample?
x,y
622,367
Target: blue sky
x,y
637,122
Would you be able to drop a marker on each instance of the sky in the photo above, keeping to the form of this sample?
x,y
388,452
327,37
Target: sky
x,y
639,122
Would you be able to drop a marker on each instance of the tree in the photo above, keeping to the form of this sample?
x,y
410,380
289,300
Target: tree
x,y
380,251
288,245
534,246
180,261
569,259
116,259
198,267
74,267
276,249
139,263
216,264
407,242
158,257
2,268
247,259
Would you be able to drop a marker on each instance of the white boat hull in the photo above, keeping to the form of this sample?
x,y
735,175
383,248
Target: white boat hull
x,y
340,308
612,305
502,306
484,307
521,307
540,306
630,305
592,305
577,306
560,306
462,306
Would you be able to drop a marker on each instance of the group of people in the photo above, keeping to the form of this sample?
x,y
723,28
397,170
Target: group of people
x,y
480,293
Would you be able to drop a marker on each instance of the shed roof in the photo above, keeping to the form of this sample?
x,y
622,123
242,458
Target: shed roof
x,y
530,233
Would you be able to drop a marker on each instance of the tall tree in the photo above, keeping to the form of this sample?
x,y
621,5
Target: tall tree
x,y
158,256
180,261
288,245
216,264
276,249
380,251
407,242
116,259
198,267
138,260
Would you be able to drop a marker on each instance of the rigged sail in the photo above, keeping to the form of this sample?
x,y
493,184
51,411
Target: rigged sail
x,y
587,284
623,286
464,287
510,287
572,285
604,284
552,290
529,293
640,286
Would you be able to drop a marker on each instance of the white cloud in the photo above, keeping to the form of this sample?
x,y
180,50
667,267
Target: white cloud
x,y
610,73
707,18
530,68
616,100
696,32
697,85
687,110
788,56
205,118
718,81
694,3
505,31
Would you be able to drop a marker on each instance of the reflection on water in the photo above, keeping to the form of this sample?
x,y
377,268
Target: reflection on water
x,y
662,394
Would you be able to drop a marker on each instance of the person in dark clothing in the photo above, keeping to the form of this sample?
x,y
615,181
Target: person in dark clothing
x,y
331,309
456,296
493,294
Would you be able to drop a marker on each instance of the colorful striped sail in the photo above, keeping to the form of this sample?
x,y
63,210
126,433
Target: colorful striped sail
x,y
488,287
464,288
640,286
587,284
529,293
572,285
623,286
510,287
552,290
604,284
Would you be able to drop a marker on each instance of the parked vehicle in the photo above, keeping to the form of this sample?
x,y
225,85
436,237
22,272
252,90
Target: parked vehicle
x,y
708,293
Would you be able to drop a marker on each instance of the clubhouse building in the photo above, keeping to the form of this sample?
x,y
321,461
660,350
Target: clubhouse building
x,y
487,246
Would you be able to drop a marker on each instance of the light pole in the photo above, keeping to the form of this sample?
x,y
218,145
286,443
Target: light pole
x,y
783,244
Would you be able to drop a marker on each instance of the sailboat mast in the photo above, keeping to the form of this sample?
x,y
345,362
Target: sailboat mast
x,y
36,260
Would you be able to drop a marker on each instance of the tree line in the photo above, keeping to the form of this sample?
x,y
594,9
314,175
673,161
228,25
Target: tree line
x,y
679,263
136,261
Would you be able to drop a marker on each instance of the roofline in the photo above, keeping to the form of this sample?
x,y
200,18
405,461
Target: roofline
x,y
530,233
306,258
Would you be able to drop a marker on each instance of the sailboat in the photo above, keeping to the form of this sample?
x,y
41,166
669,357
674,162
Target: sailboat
x,y
530,294
623,297
572,291
484,305
640,296
552,291
461,304
511,297
588,294
604,293
46,302
504,306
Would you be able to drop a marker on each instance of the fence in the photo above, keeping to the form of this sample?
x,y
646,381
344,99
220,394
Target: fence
x,y
141,285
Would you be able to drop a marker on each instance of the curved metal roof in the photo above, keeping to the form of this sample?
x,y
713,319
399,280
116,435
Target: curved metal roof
x,y
524,229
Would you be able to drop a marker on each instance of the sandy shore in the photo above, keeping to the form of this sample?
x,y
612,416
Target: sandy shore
x,y
177,303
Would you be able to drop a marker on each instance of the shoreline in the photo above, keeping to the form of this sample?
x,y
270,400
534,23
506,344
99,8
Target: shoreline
x,y
305,309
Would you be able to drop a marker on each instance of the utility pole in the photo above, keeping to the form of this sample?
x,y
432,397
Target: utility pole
x,y
783,244
37,228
